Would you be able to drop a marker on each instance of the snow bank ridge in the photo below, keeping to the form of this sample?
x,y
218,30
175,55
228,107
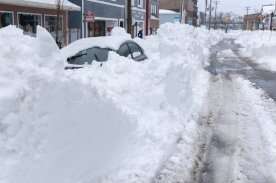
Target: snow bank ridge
x,y
116,123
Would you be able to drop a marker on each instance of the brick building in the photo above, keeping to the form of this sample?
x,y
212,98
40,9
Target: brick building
x,y
154,16
107,14
27,14
252,21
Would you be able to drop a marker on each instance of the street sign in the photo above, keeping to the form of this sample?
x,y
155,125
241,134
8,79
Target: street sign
x,y
89,16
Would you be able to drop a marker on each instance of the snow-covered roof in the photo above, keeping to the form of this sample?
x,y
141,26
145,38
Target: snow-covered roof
x,y
49,4
163,11
268,10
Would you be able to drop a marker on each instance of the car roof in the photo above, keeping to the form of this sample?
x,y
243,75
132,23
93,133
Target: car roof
x,y
111,42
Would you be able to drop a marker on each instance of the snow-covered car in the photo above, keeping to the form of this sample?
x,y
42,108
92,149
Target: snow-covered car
x,y
89,50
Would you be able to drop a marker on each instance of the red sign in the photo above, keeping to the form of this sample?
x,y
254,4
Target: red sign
x,y
89,16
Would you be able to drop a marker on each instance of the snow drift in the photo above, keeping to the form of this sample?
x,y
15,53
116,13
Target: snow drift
x,y
260,45
116,123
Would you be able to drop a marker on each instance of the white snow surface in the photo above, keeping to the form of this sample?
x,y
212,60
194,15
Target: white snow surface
x,y
116,123
118,37
260,45
164,11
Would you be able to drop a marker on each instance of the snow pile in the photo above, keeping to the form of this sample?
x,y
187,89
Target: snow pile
x,y
260,45
263,109
116,123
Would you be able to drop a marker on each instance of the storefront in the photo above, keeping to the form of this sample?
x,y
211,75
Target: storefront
x,y
96,18
6,18
101,27
139,17
29,21
28,17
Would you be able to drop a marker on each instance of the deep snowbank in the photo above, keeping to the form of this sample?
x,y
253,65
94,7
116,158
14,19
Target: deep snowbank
x,y
260,45
116,123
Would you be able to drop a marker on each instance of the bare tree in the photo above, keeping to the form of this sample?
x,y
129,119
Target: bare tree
x,y
58,22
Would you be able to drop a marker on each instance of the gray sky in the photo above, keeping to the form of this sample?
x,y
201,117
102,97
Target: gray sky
x,y
238,6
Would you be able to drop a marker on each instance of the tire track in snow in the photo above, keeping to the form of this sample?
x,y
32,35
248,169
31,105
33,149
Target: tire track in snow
x,y
239,148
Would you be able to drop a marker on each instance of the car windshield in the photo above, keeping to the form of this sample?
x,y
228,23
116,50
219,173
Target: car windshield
x,y
124,50
135,50
89,55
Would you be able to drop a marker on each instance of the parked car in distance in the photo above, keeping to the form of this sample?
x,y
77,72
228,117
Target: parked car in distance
x,y
89,50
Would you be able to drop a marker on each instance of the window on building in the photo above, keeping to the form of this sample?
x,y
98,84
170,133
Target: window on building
x,y
97,28
51,26
28,22
154,9
140,3
5,19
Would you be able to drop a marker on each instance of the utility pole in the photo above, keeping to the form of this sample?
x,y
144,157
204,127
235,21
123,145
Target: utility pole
x,y
148,13
205,14
129,17
247,12
275,7
210,14
195,15
216,6
182,13
59,11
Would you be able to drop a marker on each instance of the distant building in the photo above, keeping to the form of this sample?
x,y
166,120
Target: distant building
x,y
268,20
139,16
187,9
169,16
28,14
154,16
252,21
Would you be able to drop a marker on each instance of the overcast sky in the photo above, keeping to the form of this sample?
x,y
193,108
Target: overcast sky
x,y
238,6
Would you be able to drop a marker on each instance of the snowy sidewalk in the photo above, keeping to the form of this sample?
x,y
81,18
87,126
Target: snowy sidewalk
x,y
242,128
238,125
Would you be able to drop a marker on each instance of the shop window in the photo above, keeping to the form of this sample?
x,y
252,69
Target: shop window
x,y
29,22
51,26
141,3
96,28
5,19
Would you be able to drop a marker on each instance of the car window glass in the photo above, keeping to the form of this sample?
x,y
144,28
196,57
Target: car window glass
x,y
78,59
89,55
123,50
101,54
135,50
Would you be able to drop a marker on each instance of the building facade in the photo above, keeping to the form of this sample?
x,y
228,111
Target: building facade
x,y
138,16
187,8
169,16
252,21
96,18
99,17
28,15
154,16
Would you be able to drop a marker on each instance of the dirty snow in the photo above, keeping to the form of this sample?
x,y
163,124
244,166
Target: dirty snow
x,y
260,46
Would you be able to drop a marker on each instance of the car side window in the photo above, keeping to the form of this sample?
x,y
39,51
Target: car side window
x,y
124,50
99,54
89,55
78,59
135,50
